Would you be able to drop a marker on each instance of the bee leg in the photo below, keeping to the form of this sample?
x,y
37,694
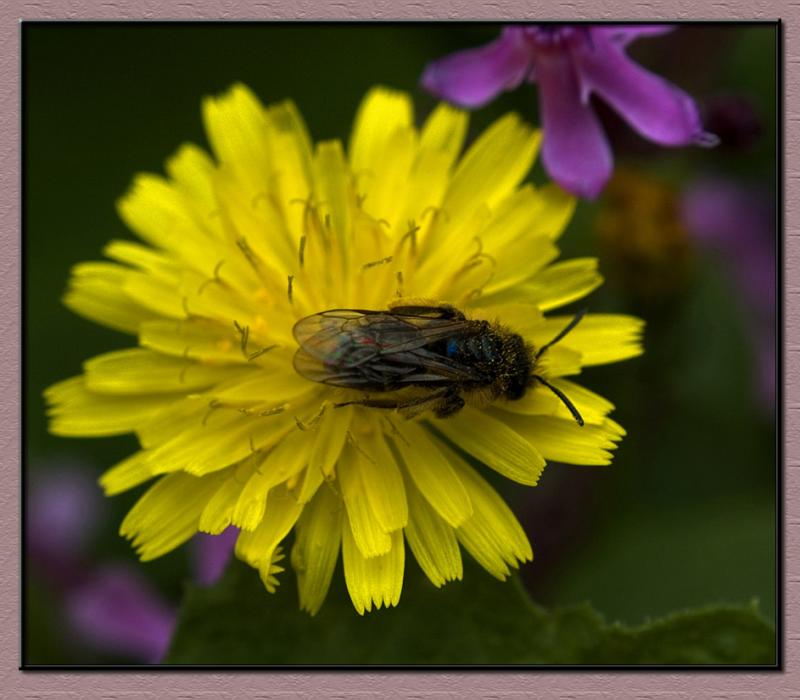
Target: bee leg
x,y
443,394
372,403
450,405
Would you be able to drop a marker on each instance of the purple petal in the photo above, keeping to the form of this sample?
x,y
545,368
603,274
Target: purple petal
x,y
473,77
624,34
575,151
63,507
211,554
738,223
658,110
116,611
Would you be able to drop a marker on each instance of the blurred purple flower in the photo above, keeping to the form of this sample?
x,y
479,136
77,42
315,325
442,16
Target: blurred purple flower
x,y
570,63
211,554
737,223
111,608
117,611
64,505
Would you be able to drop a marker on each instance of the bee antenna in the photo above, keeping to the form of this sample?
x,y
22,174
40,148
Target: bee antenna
x,y
561,395
574,322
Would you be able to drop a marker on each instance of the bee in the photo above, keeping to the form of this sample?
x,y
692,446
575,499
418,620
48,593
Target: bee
x,y
426,357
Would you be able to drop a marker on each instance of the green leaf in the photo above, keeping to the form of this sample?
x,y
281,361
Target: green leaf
x,y
476,621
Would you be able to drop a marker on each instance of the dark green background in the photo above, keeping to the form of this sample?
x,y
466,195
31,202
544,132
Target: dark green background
x,y
684,517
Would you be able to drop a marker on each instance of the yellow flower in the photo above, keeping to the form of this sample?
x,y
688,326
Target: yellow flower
x,y
238,249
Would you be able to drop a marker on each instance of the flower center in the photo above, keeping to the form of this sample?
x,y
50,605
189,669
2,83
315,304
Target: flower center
x,y
554,36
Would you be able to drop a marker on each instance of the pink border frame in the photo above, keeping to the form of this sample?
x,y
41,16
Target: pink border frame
x,y
417,684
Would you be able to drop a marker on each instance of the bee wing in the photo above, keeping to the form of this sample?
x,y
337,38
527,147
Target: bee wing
x,y
351,337
384,373
335,337
435,368
312,368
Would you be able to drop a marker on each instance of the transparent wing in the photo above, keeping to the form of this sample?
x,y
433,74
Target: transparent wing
x,y
415,368
312,368
377,350
352,337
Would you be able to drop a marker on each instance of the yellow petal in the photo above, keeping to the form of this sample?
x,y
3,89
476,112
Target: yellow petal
x,y
492,167
308,485
95,292
316,548
336,197
290,149
160,296
224,438
250,258
600,338
78,412
557,207
126,474
236,124
563,440
218,513
493,536
444,131
381,478
167,422
561,283
156,210
539,400
374,580
192,171
514,264
385,193
281,514
432,473
168,513
382,113
256,387
495,444
329,438
138,371
195,338
516,216
432,541
427,183
269,568
445,261
523,319
441,140
144,258
371,539
287,458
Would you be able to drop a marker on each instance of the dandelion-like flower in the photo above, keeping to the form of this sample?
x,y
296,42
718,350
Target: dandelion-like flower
x,y
570,63
238,249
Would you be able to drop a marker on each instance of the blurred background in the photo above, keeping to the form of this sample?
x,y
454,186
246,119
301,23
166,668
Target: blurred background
x,y
686,514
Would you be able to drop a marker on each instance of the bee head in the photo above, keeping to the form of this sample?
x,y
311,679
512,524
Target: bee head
x,y
520,364
517,387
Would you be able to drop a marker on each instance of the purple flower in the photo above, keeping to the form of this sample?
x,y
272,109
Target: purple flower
x,y
117,611
570,63
64,505
109,608
737,224
211,554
